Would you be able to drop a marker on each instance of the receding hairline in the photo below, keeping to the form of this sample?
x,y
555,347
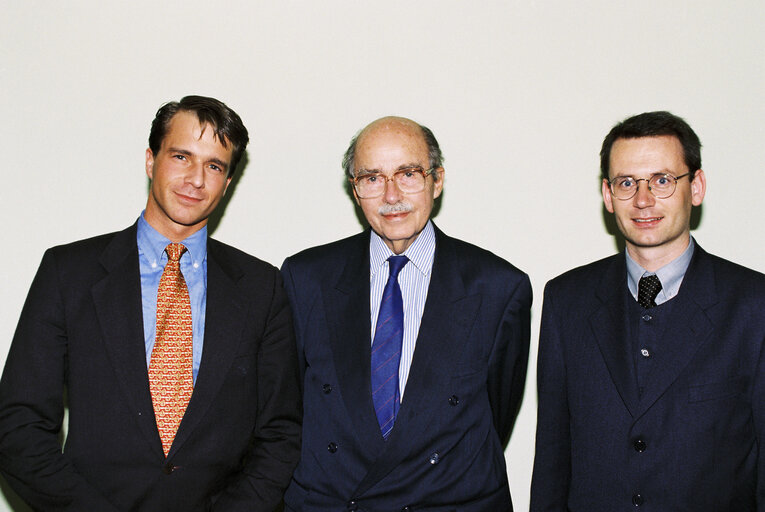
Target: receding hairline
x,y
390,123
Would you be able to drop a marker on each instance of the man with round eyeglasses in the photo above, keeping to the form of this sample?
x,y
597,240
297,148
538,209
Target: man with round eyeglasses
x,y
651,367
413,346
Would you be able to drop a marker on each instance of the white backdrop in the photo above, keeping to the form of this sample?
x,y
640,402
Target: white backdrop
x,y
519,93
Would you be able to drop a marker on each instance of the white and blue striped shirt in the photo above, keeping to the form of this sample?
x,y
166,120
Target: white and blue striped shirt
x,y
413,279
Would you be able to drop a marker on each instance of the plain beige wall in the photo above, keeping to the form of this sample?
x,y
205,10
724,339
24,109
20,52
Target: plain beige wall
x,y
519,94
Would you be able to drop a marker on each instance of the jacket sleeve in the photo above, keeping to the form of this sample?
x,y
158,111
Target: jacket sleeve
x,y
509,359
276,447
552,462
32,404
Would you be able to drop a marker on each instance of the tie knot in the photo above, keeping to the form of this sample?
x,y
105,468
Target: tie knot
x,y
648,288
174,251
395,264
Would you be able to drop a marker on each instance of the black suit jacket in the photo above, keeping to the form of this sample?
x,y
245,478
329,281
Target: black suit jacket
x,y
693,440
464,388
81,330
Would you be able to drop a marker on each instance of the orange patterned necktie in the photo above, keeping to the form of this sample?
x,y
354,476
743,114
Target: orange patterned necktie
x,y
170,377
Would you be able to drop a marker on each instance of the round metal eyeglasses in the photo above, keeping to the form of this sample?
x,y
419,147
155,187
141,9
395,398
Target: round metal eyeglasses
x,y
411,180
661,186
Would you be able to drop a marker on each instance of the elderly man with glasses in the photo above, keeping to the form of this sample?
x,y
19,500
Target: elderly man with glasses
x,y
651,369
413,346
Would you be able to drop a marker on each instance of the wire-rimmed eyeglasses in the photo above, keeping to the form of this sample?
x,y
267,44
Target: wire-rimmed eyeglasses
x,y
661,185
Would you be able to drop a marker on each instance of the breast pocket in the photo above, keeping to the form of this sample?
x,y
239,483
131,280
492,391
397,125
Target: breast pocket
x,y
716,390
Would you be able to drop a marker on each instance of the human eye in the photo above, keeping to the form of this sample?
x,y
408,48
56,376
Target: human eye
x,y
410,174
661,180
179,156
625,182
216,167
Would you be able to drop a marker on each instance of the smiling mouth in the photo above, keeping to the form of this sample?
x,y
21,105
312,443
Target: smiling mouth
x,y
646,220
190,199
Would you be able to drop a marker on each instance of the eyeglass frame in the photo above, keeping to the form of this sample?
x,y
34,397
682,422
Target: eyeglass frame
x,y
425,173
648,184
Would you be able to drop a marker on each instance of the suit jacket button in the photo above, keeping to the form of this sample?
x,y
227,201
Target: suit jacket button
x,y
454,400
332,447
327,389
637,500
639,446
168,468
435,458
352,505
406,509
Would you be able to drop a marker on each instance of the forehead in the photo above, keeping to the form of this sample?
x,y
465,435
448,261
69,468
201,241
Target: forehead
x,y
389,146
185,126
647,155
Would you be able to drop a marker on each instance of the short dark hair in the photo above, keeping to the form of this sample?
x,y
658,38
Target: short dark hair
x,y
435,157
653,124
227,124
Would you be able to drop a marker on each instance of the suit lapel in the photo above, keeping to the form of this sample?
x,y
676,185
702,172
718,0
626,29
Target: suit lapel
x,y
348,317
224,321
446,322
687,330
117,301
608,323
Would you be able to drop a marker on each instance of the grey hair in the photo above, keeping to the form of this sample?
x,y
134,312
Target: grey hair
x,y
435,157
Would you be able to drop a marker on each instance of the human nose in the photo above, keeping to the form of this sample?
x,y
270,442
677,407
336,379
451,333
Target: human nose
x,y
392,193
644,197
196,175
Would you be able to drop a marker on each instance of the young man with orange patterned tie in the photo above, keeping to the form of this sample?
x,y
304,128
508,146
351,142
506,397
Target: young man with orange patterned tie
x,y
176,352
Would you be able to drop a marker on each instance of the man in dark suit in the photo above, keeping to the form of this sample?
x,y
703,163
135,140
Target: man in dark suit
x,y
102,327
651,363
413,347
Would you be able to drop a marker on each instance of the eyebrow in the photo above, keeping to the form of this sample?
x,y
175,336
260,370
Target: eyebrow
x,y
657,173
400,168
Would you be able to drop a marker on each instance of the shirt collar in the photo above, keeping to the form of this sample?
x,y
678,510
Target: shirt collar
x,y
152,244
420,253
671,275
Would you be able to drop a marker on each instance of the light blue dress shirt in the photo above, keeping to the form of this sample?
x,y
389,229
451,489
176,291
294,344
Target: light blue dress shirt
x,y
152,259
414,280
671,275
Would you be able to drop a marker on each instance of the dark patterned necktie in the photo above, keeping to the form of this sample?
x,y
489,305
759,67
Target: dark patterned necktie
x,y
648,288
386,349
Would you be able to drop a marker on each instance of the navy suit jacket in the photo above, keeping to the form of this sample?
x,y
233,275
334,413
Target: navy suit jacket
x,y
691,441
464,389
81,329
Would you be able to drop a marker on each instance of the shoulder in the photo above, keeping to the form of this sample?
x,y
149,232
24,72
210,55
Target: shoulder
x,y
477,265
479,258
326,256
730,276
86,251
589,275
87,245
248,271
232,255
480,270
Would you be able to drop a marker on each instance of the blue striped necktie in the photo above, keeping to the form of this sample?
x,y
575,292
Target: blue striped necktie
x,y
386,349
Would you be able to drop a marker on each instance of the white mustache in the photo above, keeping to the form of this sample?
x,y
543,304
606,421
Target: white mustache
x,y
400,207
